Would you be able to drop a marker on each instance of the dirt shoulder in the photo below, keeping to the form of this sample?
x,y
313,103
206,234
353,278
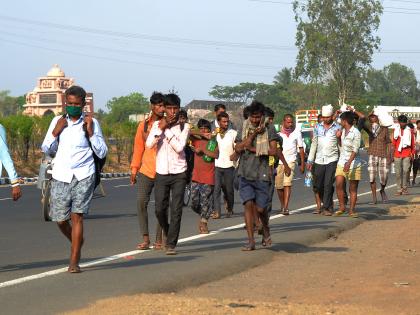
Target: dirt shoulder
x,y
372,269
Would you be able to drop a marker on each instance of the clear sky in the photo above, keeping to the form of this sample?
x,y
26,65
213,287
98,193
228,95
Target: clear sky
x,y
113,48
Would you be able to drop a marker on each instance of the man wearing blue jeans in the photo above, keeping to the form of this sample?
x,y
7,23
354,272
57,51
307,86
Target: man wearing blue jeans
x,y
255,143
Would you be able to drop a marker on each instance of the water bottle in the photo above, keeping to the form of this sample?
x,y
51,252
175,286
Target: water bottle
x,y
211,146
308,179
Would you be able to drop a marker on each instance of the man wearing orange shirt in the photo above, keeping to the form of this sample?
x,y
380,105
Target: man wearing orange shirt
x,y
144,163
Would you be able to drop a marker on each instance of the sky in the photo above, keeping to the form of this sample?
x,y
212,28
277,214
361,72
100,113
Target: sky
x,y
114,48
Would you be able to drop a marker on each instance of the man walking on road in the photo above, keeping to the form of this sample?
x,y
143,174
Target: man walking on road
x,y
349,165
379,151
6,160
144,163
255,143
404,150
324,156
225,170
74,138
171,166
202,185
416,162
291,142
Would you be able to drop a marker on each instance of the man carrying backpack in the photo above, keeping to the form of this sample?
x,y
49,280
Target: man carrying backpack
x,y
76,141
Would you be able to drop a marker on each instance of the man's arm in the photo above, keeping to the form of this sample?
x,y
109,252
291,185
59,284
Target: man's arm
x,y
6,159
154,135
314,145
178,143
50,144
97,140
138,149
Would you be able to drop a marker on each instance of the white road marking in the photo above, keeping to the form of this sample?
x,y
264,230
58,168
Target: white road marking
x,y
5,199
137,252
125,185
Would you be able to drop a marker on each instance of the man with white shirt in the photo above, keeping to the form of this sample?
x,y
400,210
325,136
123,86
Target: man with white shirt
x,y
225,170
169,139
73,138
291,142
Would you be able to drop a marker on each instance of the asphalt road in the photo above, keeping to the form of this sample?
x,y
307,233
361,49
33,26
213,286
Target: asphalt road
x,y
29,247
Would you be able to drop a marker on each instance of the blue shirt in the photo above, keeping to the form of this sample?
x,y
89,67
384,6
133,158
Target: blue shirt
x,y
73,155
5,158
324,147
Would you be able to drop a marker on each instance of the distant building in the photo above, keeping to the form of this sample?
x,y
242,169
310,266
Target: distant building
x,y
48,95
138,117
197,109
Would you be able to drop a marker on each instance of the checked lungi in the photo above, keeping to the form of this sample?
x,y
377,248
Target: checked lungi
x,y
378,165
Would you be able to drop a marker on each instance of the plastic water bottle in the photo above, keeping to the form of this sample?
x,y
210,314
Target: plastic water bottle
x,y
308,179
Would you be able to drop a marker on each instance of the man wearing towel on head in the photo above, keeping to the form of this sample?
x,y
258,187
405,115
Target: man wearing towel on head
x,y
323,156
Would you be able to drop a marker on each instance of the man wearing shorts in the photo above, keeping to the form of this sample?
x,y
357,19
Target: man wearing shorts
x,y
292,140
255,143
73,138
349,166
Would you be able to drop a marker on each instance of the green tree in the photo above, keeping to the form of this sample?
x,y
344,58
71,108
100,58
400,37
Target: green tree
x,y
10,105
121,107
336,41
394,85
243,92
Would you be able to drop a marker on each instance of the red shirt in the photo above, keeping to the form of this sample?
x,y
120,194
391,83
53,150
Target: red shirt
x,y
405,152
203,172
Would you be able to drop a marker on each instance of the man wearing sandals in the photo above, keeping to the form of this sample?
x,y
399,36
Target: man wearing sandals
x,y
143,163
73,138
170,139
324,156
349,166
255,143
404,151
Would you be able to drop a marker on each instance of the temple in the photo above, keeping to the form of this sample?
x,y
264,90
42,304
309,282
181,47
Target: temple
x,y
47,98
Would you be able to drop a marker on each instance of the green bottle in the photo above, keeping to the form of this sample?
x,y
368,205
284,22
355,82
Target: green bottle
x,y
211,146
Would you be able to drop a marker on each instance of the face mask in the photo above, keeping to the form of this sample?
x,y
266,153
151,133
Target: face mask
x,y
74,111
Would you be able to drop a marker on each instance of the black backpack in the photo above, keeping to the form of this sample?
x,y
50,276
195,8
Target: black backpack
x,y
99,162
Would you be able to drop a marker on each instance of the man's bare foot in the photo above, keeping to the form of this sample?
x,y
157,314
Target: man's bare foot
x,y
384,196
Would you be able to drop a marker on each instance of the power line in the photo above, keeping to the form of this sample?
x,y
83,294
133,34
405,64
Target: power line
x,y
128,61
187,59
137,53
117,34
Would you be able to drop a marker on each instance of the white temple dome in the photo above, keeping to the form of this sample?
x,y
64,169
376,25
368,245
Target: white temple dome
x,y
55,71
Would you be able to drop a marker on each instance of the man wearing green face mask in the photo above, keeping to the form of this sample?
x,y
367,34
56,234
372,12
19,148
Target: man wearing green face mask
x,y
73,138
